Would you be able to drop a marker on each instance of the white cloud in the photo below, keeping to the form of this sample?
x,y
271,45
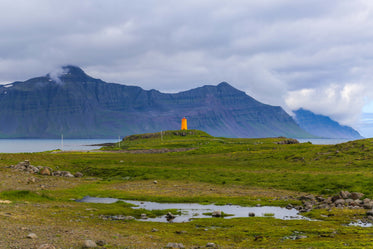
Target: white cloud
x,y
342,103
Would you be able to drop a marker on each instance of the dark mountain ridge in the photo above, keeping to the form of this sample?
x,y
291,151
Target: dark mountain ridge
x,y
323,126
79,106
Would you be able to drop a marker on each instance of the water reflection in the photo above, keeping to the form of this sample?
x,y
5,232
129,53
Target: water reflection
x,y
192,210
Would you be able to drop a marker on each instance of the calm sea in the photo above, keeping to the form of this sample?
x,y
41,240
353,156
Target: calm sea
x,y
325,141
39,145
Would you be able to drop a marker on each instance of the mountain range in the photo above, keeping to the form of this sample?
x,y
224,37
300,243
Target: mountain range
x,y
79,106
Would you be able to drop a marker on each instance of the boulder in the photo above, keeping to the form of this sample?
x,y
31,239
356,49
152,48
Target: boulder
x,y
170,216
370,213
301,237
368,205
78,174
349,201
289,206
101,242
89,244
336,197
210,245
307,198
45,171
356,195
251,214
175,245
345,194
32,236
47,246
339,202
320,198
216,213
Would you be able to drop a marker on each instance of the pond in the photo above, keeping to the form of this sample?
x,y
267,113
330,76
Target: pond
x,y
191,211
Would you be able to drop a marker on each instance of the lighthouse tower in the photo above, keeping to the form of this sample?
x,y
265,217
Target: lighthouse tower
x,y
184,125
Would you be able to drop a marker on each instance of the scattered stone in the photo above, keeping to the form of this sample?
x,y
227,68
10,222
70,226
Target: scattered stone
x,y
216,213
175,245
181,232
5,202
32,236
47,246
89,244
155,230
258,205
210,244
155,182
251,214
143,216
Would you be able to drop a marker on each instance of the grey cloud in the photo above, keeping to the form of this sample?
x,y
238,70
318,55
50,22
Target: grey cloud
x,y
272,49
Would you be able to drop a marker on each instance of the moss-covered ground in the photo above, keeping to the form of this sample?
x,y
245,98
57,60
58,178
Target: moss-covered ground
x,y
189,166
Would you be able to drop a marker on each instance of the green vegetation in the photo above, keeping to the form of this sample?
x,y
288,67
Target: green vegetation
x,y
192,166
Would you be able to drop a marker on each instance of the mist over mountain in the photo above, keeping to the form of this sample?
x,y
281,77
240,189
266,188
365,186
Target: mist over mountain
x,y
323,126
76,105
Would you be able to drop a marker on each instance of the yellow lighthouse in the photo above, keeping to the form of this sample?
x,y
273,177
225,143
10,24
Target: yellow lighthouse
x,y
184,125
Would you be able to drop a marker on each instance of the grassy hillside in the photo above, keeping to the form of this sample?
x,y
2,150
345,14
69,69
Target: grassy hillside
x,y
189,166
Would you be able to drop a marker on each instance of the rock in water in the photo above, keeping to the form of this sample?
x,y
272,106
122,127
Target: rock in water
x,y
216,213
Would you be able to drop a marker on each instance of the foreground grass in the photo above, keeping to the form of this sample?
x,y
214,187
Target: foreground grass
x,y
215,170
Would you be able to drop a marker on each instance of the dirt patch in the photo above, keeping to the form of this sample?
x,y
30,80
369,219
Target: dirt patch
x,y
194,189
16,180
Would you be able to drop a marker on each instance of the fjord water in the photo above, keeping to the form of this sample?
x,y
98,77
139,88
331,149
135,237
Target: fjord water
x,y
325,140
39,145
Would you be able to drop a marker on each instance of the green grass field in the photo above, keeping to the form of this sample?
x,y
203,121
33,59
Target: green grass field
x,y
192,166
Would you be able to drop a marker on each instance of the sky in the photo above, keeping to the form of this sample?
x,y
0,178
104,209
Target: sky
x,y
313,54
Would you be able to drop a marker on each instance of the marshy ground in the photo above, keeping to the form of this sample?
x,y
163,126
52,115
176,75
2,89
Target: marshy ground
x,y
244,172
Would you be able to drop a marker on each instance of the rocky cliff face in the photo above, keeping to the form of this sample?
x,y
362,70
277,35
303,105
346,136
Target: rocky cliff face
x,y
323,126
80,106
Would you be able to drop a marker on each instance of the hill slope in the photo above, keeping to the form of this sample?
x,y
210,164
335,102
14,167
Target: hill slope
x,y
323,126
80,106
